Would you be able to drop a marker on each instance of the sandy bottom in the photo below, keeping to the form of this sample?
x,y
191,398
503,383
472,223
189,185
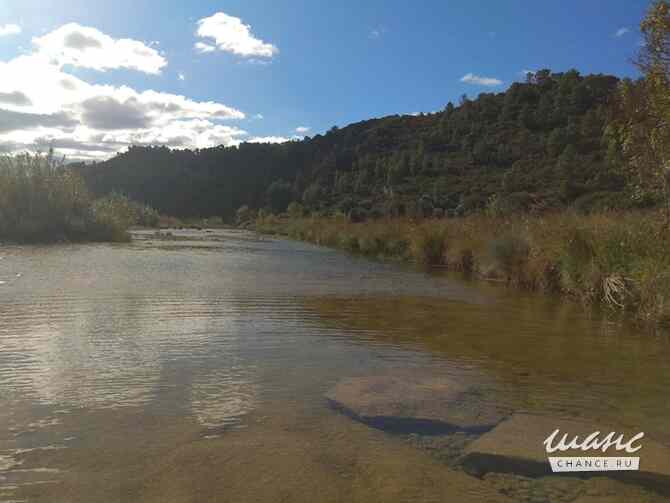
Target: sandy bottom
x,y
280,454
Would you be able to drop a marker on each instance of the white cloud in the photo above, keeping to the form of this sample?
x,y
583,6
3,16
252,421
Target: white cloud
x,y
621,32
376,33
181,76
41,104
267,139
256,61
229,34
302,129
82,46
470,78
9,29
258,117
202,47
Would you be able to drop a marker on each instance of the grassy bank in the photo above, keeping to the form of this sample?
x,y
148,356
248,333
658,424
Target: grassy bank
x,y
42,201
618,260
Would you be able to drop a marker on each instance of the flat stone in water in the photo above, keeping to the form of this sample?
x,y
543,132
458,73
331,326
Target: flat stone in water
x,y
428,405
516,446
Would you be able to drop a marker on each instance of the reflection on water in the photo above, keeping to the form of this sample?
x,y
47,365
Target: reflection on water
x,y
125,369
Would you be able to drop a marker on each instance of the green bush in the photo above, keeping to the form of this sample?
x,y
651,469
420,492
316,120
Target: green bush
x,y
596,202
110,218
295,210
428,245
511,253
42,200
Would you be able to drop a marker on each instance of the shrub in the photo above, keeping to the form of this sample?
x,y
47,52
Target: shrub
x,y
145,215
511,253
244,214
110,218
43,200
295,210
358,214
428,245
596,202
368,245
577,261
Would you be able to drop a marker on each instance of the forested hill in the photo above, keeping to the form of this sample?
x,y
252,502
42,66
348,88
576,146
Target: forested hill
x,y
540,144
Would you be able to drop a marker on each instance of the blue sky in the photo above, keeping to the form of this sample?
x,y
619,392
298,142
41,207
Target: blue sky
x,y
302,64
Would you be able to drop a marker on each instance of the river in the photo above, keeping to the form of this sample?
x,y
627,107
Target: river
x,y
193,367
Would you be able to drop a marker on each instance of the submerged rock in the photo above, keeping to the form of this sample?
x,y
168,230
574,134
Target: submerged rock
x,y
516,446
429,405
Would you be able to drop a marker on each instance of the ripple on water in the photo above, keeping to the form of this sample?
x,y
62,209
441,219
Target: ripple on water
x,y
220,399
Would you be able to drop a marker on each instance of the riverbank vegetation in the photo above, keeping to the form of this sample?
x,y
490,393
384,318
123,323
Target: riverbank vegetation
x,y
42,200
618,260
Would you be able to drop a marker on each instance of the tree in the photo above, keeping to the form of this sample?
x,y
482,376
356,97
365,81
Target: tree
x,y
279,194
641,120
654,56
313,194
556,142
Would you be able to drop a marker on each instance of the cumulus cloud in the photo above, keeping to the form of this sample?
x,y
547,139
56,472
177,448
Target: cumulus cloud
x,y
9,29
621,32
82,46
230,34
106,112
181,76
42,104
470,78
302,129
15,98
12,121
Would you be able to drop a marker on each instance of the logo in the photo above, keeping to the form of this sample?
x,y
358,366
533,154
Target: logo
x,y
593,442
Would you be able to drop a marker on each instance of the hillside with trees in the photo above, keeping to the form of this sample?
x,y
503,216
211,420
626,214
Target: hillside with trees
x,y
541,144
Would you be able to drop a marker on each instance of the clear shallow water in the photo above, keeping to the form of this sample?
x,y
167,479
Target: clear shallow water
x,y
194,369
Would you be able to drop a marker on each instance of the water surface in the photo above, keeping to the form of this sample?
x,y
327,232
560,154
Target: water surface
x,y
194,367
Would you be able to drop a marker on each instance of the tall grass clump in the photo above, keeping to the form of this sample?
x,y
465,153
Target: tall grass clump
x,y
511,253
428,244
41,200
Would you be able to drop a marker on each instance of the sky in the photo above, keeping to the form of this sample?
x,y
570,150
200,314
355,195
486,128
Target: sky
x,y
91,77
